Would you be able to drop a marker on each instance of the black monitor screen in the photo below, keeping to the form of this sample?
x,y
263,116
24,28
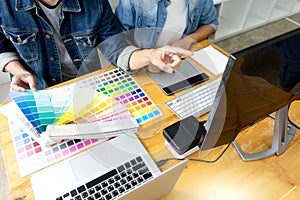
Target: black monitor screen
x,y
249,91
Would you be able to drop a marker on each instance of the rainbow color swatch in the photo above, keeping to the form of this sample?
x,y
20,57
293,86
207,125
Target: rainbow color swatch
x,y
115,96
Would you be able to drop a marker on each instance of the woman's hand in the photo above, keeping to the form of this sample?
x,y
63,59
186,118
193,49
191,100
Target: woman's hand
x,y
21,79
22,82
166,58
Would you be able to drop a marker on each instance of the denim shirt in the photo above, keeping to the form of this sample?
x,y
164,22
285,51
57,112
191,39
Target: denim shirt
x,y
148,18
25,33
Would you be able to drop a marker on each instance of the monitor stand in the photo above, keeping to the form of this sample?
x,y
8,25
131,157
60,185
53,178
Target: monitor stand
x,y
282,136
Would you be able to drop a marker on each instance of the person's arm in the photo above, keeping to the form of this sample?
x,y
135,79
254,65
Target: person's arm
x,y
207,25
21,79
200,34
164,60
10,62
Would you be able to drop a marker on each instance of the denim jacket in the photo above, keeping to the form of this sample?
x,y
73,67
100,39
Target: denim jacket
x,y
148,18
26,34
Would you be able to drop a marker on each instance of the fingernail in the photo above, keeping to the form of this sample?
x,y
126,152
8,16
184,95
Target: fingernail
x,y
169,70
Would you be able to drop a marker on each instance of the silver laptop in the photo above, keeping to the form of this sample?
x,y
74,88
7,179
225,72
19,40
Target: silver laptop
x,y
118,168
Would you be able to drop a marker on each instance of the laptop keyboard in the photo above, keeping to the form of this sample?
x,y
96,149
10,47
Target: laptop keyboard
x,y
195,102
113,184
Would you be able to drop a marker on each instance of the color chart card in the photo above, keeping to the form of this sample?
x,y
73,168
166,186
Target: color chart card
x,y
122,95
32,157
123,88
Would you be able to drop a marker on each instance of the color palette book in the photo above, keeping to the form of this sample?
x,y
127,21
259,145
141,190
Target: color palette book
x,y
116,84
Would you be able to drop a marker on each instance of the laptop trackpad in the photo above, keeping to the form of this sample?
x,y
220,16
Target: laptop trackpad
x,y
99,160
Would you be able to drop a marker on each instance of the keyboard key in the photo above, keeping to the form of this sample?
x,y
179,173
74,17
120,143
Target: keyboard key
x,y
134,183
117,177
127,186
84,195
138,166
73,193
139,159
104,184
110,188
117,184
111,181
123,174
140,179
81,189
123,181
127,165
98,187
108,197
121,168
78,197
135,175
129,178
121,189
133,162
115,193
91,191
104,191
147,175
143,170
97,195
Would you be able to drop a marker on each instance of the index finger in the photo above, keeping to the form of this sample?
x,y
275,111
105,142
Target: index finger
x,y
176,61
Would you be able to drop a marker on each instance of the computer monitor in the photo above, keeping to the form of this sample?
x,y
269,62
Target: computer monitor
x,y
248,92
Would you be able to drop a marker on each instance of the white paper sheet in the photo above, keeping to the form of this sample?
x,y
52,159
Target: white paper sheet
x,y
212,59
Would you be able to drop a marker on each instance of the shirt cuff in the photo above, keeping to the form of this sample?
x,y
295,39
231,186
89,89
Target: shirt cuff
x,y
7,57
215,26
123,60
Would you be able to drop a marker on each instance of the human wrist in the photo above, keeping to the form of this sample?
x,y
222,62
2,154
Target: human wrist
x,y
140,58
150,53
6,58
15,68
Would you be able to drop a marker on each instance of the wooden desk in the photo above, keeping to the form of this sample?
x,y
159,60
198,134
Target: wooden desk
x,y
230,178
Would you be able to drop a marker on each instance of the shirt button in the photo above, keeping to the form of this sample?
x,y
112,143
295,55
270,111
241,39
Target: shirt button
x,y
53,80
51,59
47,37
89,41
19,39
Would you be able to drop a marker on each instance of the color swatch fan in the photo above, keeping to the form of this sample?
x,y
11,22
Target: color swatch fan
x,y
36,107
82,114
